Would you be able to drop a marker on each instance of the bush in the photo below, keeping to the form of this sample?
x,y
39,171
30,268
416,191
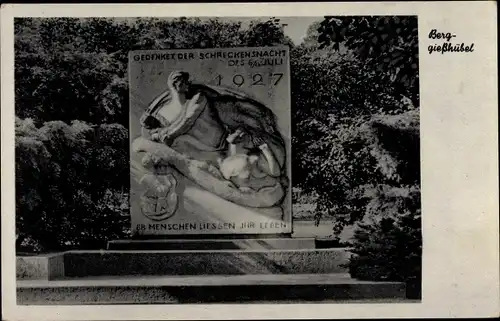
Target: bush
x,y
70,183
387,244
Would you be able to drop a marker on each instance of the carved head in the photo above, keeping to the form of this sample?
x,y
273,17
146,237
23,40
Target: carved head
x,y
239,165
178,81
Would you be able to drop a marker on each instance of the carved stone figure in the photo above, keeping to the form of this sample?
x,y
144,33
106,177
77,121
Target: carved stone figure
x,y
187,127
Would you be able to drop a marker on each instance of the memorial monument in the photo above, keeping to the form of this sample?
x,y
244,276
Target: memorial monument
x,y
210,142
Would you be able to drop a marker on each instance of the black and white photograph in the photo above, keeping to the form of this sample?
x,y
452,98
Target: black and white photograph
x,y
196,159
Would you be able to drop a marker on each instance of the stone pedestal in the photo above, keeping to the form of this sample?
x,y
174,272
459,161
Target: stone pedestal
x,y
214,244
199,276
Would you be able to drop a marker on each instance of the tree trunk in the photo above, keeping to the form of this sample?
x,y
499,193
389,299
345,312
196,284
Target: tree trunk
x,y
19,242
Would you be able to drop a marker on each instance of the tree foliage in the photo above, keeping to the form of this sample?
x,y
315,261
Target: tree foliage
x,y
70,184
334,153
388,44
388,242
266,33
312,35
356,139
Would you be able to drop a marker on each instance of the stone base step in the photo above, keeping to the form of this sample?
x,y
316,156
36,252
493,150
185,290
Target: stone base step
x,y
213,244
206,289
221,262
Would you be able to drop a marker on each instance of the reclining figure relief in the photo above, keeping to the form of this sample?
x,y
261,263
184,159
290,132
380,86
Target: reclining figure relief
x,y
220,139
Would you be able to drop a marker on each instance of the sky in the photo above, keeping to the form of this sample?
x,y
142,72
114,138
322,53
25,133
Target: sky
x,y
296,26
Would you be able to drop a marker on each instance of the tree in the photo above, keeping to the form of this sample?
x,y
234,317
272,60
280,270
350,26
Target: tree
x,y
387,243
69,184
61,73
331,156
312,35
389,44
267,33
356,140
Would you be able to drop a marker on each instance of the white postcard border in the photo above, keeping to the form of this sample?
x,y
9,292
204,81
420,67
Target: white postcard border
x,y
459,142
